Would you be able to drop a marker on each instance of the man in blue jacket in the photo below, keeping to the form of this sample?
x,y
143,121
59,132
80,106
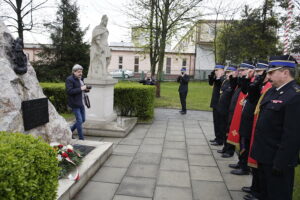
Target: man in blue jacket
x,y
75,91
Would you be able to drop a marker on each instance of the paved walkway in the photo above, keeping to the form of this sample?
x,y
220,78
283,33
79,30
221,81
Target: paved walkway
x,y
170,159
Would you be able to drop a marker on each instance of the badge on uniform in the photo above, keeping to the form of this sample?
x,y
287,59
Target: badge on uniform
x,y
277,101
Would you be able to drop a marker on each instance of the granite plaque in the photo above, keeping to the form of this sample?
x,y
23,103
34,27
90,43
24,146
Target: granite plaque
x,y
35,113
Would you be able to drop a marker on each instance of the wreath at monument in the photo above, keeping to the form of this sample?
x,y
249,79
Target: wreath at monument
x,y
68,158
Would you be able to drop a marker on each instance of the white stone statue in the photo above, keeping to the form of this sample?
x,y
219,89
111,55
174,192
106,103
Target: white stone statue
x,y
100,55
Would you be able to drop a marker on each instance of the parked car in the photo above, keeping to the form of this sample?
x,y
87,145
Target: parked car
x,y
119,73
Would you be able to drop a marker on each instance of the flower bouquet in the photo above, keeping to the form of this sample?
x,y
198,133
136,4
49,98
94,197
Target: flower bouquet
x,y
68,158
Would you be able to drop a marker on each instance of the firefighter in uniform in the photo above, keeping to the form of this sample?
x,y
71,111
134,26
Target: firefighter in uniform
x,y
277,137
216,79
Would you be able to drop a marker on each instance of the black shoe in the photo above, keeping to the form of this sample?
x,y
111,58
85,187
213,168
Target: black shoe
x,y
183,112
221,151
246,189
226,155
250,197
216,143
239,172
234,166
214,140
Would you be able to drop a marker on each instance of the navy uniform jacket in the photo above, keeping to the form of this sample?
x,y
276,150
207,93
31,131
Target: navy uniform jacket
x,y
225,97
277,134
216,91
74,92
184,81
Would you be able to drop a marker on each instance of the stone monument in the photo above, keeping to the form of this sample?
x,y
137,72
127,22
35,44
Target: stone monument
x,y
101,120
18,84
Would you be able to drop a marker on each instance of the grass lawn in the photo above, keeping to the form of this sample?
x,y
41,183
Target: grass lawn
x,y
296,195
198,97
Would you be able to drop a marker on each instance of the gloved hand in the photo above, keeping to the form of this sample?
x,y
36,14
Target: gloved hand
x,y
276,171
233,82
211,77
244,84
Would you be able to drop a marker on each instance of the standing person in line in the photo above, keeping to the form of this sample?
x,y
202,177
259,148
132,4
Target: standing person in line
x,y
75,91
216,79
183,79
277,138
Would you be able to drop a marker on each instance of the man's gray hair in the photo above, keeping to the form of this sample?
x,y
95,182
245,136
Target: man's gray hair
x,y
77,67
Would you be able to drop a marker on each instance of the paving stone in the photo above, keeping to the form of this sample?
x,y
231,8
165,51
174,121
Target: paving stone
x,y
196,150
158,141
202,160
235,182
237,195
109,175
174,164
125,149
205,173
174,153
122,197
172,193
131,141
205,190
174,145
95,191
118,161
147,158
141,170
113,140
137,135
173,178
197,142
136,186
174,133
176,138
194,136
150,148
155,135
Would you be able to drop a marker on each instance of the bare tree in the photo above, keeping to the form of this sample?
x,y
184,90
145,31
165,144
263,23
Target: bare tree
x,y
163,20
22,17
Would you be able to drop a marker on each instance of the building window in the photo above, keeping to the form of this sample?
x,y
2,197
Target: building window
x,y
184,62
120,62
136,63
168,66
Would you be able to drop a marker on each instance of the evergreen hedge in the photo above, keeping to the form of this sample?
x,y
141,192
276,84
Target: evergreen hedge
x,y
130,99
56,93
28,168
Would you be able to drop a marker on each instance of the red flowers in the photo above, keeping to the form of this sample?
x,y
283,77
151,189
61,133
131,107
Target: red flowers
x,y
64,154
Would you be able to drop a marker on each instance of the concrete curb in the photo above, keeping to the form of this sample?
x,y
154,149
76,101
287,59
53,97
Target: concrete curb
x,y
91,163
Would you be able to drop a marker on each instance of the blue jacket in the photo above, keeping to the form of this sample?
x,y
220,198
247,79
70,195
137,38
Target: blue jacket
x,y
74,92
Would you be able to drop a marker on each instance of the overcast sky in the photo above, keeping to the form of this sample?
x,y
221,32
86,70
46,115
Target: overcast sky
x,y
92,10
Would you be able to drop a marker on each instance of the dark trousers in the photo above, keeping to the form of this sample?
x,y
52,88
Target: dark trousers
x,y
276,187
255,187
217,124
244,152
182,96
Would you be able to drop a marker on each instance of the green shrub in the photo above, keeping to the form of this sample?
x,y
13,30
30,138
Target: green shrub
x,y
56,93
28,168
133,99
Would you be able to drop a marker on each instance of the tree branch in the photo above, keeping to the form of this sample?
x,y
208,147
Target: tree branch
x,y
11,4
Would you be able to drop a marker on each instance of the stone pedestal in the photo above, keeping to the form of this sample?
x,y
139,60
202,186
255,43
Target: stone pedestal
x,y
101,120
102,101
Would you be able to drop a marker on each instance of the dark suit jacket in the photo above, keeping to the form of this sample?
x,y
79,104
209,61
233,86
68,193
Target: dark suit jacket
x,y
225,97
277,134
74,92
184,81
216,91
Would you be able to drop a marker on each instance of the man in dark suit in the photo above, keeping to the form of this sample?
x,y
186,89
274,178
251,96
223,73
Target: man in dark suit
x,y
277,138
183,79
216,79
